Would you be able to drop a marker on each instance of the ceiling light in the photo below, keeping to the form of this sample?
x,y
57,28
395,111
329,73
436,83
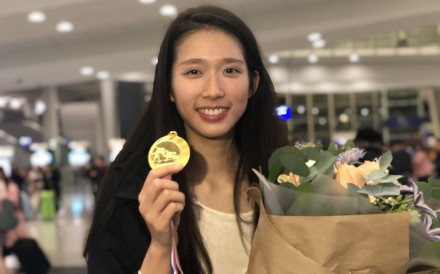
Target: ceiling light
x,y
319,43
274,59
322,121
40,107
65,26
301,109
314,36
313,58
16,103
315,111
344,118
154,60
3,101
365,112
354,57
36,17
102,75
86,71
146,2
168,10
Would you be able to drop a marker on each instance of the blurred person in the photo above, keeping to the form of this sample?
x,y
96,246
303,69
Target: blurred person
x,y
52,179
212,88
35,184
371,141
96,172
423,166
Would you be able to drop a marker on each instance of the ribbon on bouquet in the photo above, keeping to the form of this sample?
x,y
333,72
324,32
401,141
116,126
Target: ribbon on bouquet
x,y
175,262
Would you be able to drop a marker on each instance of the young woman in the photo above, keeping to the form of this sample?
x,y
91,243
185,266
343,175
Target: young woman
x,y
212,88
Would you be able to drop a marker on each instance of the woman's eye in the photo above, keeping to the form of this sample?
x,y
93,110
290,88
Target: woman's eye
x,y
193,72
231,70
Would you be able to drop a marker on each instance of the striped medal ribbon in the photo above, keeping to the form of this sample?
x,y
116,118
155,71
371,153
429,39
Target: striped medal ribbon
x,y
175,262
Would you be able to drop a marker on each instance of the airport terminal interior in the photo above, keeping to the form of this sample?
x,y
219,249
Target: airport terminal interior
x,y
75,75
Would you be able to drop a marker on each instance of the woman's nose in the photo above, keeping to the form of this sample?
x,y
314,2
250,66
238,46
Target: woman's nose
x,y
213,87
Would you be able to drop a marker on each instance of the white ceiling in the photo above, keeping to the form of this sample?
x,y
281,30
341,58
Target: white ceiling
x,y
122,36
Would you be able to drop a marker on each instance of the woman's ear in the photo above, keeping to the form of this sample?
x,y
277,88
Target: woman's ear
x,y
255,82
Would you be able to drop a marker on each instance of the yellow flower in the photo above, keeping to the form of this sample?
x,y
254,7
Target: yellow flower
x,y
349,174
368,167
372,199
291,178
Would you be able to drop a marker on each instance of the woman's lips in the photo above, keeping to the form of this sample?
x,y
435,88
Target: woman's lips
x,y
212,114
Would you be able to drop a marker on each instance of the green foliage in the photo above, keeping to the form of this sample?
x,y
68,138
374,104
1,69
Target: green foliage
x,y
430,189
385,161
380,190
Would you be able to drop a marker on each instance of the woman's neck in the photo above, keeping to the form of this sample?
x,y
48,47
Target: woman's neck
x,y
211,174
212,160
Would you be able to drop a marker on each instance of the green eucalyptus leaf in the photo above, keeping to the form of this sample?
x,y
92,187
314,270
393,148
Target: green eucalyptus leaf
x,y
311,153
274,171
326,163
385,160
287,185
390,178
333,149
380,190
375,175
294,162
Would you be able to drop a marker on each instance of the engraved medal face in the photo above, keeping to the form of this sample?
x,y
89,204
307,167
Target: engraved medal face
x,y
168,150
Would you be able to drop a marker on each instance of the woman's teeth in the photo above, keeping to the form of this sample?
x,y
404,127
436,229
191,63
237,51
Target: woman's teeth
x,y
211,111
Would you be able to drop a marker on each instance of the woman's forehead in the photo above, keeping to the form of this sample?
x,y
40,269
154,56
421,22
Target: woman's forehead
x,y
209,43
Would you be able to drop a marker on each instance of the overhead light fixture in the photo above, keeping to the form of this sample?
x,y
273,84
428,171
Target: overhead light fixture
x,y
87,71
36,17
65,26
16,103
154,60
168,10
102,75
319,43
314,36
147,2
3,101
274,59
40,107
313,58
301,109
354,57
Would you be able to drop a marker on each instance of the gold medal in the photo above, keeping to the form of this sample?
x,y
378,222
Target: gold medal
x,y
168,150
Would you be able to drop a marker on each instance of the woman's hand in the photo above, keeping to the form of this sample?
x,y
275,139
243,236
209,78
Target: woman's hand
x,y
161,202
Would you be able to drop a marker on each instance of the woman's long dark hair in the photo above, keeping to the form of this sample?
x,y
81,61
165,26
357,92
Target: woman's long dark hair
x,y
257,133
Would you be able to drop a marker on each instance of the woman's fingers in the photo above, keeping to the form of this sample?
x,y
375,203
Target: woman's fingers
x,y
158,179
160,201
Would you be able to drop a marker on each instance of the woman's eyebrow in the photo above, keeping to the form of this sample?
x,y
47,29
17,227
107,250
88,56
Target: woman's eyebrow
x,y
226,60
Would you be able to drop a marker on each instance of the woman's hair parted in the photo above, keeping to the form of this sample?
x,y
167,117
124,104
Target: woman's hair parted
x,y
257,133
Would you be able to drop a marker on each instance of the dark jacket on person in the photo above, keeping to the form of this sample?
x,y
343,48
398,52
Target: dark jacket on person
x,y
121,247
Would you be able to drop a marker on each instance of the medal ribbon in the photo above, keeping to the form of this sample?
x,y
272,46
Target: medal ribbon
x,y
175,262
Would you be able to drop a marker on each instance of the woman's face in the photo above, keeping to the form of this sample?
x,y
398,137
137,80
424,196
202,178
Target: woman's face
x,y
210,84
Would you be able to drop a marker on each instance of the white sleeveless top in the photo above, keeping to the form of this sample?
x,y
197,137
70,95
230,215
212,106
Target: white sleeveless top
x,y
222,240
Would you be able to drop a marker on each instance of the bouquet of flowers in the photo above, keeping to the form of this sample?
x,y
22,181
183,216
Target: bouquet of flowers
x,y
323,211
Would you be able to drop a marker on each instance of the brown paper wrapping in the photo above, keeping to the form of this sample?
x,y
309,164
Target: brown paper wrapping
x,y
356,244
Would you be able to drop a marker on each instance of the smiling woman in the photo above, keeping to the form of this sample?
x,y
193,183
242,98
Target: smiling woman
x,y
212,89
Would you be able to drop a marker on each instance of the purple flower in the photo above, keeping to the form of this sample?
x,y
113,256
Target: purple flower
x,y
351,156
434,234
419,202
